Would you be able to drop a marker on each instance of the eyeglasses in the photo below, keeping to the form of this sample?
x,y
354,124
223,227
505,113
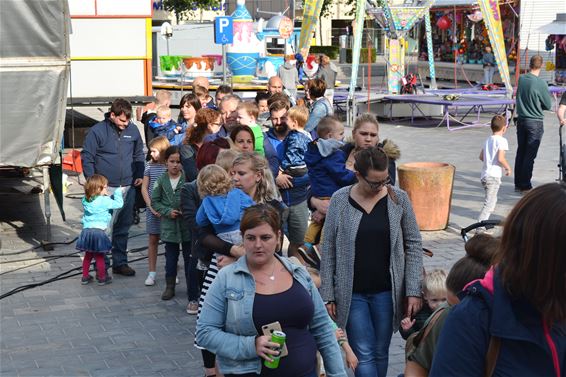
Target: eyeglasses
x,y
377,185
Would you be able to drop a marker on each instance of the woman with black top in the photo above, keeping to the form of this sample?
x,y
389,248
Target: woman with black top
x,y
371,264
365,134
259,289
251,174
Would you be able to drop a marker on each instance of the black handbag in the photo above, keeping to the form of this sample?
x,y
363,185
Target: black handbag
x,y
140,202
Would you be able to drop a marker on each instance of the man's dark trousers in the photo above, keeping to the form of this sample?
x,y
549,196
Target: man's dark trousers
x,y
529,136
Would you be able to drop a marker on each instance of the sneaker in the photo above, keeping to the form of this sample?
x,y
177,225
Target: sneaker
x,y
108,280
86,279
150,280
124,270
192,308
310,255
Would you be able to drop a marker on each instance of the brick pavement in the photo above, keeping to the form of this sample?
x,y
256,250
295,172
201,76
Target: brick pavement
x,y
65,329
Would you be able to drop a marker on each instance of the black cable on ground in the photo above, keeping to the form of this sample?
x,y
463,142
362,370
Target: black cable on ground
x,y
40,259
65,275
37,247
47,244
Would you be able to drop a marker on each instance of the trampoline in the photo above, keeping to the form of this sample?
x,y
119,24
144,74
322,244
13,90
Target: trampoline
x,y
475,90
341,99
472,104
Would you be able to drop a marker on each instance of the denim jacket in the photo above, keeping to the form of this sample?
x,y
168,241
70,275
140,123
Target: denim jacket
x,y
295,147
320,108
226,326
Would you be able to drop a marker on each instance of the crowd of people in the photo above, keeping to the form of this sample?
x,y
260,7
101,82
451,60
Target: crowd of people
x,y
228,182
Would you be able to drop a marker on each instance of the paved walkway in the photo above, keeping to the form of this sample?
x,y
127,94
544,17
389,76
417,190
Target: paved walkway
x,y
123,329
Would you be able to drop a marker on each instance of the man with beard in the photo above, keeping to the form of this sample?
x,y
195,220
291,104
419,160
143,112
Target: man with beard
x,y
228,107
294,191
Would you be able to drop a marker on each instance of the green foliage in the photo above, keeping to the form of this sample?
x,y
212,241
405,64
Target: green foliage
x,y
185,8
363,55
325,9
353,4
331,51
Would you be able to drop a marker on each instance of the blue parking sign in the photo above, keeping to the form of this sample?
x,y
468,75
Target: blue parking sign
x,y
223,30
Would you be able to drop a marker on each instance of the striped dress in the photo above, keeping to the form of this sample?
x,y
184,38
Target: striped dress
x,y
208,279
153,171
234,238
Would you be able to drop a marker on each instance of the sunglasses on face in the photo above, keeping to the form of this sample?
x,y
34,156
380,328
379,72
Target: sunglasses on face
x,y
377,185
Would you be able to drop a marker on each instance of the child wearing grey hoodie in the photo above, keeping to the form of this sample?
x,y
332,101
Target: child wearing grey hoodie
x,y
289,75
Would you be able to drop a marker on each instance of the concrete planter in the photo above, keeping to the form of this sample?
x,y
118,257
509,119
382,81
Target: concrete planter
x,y
429,186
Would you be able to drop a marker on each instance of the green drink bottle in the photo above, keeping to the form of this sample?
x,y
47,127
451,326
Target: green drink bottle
x,y
279,338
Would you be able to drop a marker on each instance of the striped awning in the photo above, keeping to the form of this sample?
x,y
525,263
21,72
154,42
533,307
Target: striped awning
x,y
451,3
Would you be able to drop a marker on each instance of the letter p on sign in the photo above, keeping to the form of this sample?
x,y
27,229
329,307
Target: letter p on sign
x,y
223,30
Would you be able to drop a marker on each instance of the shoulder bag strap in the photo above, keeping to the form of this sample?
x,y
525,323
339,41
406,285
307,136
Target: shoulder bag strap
x,y
491,355
423,333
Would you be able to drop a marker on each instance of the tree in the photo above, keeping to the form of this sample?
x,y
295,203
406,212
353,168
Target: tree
x,y
325,10
183,9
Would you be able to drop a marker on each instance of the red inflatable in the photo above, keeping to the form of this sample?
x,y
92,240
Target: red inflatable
x,y
444,23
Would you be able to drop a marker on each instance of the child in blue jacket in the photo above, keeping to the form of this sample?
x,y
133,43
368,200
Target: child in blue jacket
x,y
326,164
222,205
164,125
93,239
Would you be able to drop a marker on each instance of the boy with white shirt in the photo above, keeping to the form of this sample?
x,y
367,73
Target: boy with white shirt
x,y
494,163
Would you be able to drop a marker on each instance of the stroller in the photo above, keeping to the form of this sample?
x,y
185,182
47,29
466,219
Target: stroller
x,y
409,84
562,157
487,224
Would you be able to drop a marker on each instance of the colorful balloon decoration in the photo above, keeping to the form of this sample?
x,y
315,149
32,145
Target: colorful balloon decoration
x,y
444,23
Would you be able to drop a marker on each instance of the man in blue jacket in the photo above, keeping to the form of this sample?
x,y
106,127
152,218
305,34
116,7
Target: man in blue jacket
x,y
114,149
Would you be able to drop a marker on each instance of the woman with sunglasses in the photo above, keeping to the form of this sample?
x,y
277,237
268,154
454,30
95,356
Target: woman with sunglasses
x,y
371,265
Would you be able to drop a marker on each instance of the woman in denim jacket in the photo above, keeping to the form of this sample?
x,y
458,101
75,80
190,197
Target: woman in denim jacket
x,y
320,106
259,289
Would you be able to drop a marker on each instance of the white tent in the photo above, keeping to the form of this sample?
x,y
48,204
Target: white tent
x,y
34,74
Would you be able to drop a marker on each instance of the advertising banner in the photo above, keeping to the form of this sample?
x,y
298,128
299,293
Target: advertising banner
x,y
492,19
358,32
311,14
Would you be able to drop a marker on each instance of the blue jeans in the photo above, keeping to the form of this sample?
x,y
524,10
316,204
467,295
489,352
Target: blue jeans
x,y
488,73
369,329
529,136
190,264
122,220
